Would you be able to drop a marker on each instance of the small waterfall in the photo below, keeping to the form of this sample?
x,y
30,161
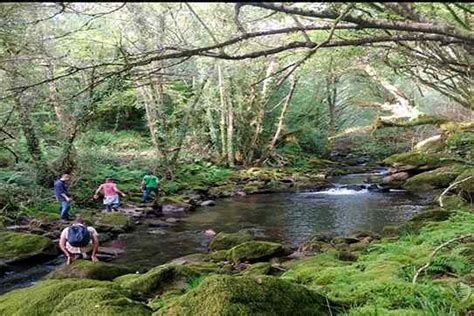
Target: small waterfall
x,y
341,191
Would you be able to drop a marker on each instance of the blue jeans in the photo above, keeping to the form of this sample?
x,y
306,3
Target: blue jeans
x,y
64,209
146,193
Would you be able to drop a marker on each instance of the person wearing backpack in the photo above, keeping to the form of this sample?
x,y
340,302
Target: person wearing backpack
x,y
79,239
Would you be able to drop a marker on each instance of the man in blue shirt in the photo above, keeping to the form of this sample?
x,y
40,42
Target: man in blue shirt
x,y
62,195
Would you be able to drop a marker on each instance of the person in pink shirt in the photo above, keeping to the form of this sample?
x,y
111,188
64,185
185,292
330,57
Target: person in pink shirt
x,y
111,194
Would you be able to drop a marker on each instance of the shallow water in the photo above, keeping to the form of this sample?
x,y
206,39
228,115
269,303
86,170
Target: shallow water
x,y
289,218
286,217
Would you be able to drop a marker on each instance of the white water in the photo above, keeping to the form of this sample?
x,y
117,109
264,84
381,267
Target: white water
x,y
340,191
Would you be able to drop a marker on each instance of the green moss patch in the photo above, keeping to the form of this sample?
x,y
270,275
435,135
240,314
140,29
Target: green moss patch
x,y
438,178
42,298
417,159
265,295
158,279
100,301
226,241
114,221
85,269
254,251
20,246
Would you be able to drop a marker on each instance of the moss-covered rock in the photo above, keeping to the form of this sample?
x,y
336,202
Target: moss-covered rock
x,y
158,279
85,269
100,301
218,255
42,298
259,268
254,251
438,178
417,160
16,247
224,241
114,222
265,295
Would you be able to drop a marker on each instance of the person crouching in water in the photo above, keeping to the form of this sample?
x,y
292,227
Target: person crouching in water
x,y
79,239
110,191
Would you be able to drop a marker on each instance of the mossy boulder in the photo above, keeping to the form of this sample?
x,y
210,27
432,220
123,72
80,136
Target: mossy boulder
x,y
85,269
43,297
417,160
438,178
265,295
259,268
158,279
113,222
100,301
16,247
224,241
254,251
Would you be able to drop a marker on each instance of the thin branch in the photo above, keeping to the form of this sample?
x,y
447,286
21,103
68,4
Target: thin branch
x,y
430,258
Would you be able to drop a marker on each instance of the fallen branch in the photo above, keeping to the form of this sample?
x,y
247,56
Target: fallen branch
x,y
449,188
430,259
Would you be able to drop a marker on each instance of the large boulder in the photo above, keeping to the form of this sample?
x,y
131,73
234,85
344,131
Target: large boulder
x,y
113,222
43,297
264,295
416,160
466,186
100,301
224,241
16,247
254,251
85,269
438,178
158,279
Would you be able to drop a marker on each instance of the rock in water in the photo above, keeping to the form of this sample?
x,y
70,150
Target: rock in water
x,y
15,247
210,232
226,241
208,203
264,295
254,251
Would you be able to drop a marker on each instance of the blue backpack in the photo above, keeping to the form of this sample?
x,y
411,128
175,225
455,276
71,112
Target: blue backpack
x,y
78,236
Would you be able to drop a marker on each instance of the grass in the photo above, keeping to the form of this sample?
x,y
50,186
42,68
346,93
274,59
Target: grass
x,y
379,282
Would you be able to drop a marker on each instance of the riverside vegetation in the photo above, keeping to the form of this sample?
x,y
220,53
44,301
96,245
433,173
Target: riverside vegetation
x,y
225,100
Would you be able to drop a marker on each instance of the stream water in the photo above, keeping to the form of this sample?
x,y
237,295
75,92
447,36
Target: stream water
x,y
289,218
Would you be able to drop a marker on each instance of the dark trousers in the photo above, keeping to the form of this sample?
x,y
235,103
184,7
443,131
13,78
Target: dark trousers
x,y
146,193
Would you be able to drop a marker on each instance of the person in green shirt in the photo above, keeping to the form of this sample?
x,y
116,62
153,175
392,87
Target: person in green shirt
x,y
150,184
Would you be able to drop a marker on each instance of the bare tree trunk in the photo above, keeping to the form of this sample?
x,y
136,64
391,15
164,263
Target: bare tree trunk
x,y
229,118
260,112
185,123
331,93
281,119
223,117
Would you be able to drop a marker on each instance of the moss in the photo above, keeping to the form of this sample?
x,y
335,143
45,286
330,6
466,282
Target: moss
x,y
218,255
114,221
85,269
226,241
254,251
468,185
256,269
176,199
417,159
203,267
438,178
165,299
158,279
453,202
42,298
265,295
100,301
19,246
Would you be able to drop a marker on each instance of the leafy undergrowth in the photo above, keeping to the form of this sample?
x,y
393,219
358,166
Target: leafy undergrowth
x,y
380,281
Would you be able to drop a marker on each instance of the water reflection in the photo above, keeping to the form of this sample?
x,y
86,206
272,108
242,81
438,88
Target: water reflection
x,y
289,218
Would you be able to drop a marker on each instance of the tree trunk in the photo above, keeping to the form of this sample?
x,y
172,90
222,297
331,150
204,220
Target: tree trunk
x,y
229,118
281,119
223,116
260,111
